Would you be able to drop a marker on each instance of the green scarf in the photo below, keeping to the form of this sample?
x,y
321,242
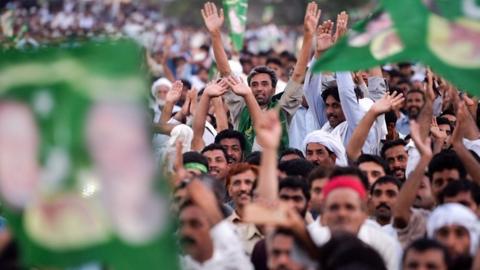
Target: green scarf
x,y
245,126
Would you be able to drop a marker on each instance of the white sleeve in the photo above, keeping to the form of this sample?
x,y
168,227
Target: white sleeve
x,y
227,243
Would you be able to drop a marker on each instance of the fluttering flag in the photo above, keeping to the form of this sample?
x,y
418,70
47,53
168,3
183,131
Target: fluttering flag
x,y
444,34
236,14
78,181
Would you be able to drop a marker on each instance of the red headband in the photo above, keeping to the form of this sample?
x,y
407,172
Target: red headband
x,y
344,182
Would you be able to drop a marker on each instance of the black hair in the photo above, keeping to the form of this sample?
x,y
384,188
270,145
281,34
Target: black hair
x,y
390,117
353,171
331,91
231,134
446,160
194,157
425,244
254,158
453,188
375,159
444,121
296,167
291,151
215,146
263,70
295,183
390,144
318,172
275,61
411,91
345,251
186,84
385,180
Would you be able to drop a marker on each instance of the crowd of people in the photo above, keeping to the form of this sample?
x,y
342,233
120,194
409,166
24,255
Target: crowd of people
x,y
278,167
274,166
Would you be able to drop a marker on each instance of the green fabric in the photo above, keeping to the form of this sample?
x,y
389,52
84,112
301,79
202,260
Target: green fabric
x,y
444,35
68,223
196,166
245,126
236,14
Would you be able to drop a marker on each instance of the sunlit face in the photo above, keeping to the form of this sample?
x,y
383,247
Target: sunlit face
x,y
262,88
162,91
319,155
241,186
217,163
382,201
334,111
372,170
344,211
456,238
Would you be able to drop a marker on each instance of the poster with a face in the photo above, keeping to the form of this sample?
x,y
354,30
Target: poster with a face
x,y
77,175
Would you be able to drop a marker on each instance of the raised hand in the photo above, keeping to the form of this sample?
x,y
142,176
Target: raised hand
x,y
216,89
436,132
342,25
212,18
268,130
175,93
324,37
423,147
312,15
238,86
388,102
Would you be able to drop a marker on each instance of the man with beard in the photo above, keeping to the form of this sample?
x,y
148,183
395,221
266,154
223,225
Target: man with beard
x,y
383,196
279,251
209,242
241,181
262,80
294,191
325,149
414,101
234,142
396,155
426,253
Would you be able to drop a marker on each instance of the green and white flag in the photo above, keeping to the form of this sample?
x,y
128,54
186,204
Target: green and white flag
x,y
77,176
444,34
236,13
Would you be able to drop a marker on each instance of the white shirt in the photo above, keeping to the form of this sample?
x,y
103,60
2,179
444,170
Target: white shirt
x,y
370,233
228,251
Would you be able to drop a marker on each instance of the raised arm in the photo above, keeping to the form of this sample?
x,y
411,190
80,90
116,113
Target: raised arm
x,y
213,21
312,15
220,114
360,134
170,100
240,88
406,197
470,163
268,131
212,90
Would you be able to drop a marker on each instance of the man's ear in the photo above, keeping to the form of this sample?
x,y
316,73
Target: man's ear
x,y
333,158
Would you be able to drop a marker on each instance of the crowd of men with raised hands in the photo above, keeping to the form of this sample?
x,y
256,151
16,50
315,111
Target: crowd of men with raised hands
x,y
284,168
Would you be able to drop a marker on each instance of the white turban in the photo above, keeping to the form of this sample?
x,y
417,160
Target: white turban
x,y
454,214
181,132
158,83
331,142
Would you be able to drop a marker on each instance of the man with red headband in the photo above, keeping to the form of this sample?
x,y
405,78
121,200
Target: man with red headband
x,y
345,211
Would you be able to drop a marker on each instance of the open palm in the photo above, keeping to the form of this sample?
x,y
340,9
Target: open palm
x,y
212,18
324,36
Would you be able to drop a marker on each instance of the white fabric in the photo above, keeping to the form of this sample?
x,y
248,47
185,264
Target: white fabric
x,y
331,141
158,83
303,122
370,233
181,132
472,145
455,214
227,254
280,87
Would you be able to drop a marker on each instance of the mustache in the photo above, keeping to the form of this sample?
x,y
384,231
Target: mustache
x,y
187,240
383,205
330,115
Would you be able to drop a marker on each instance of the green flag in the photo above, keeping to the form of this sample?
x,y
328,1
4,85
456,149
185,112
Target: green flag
x,y
444,34
236,13
77,176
